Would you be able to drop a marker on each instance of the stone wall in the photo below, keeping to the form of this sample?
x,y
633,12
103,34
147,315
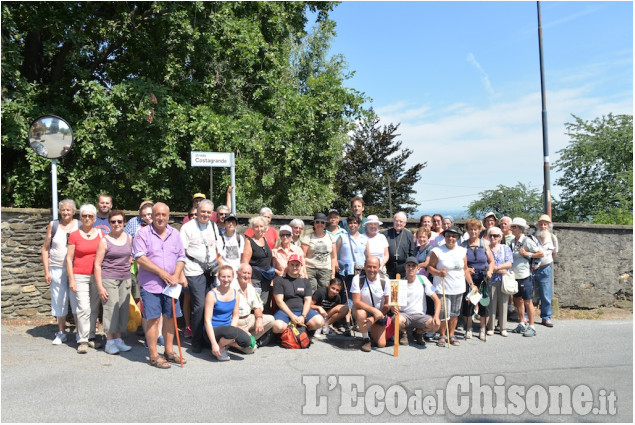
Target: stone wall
x,y
594,267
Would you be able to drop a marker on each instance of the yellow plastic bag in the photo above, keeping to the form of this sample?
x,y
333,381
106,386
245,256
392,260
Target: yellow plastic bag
x,y
134,316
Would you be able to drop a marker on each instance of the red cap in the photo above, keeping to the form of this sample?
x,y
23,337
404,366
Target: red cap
x,y
294,257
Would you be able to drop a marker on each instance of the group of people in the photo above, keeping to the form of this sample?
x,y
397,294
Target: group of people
x,y
240,290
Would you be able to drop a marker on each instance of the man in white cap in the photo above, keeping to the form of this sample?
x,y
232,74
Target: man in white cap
x,y
543,274
524,250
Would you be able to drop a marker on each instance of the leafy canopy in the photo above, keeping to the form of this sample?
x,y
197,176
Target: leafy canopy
x,y
511,201
145,83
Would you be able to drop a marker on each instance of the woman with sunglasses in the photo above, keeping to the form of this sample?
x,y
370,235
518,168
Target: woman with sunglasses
x,y
113,280
503,258
80,262
286,248
320,253
53,256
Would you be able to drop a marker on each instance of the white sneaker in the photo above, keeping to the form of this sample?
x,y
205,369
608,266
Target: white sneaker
x,y
223,355
318,333
111,348
122,345
326,330
468,334
60,337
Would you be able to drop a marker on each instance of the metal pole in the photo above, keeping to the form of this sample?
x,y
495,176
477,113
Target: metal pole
x,y
233,181
211,184
54,186
545,139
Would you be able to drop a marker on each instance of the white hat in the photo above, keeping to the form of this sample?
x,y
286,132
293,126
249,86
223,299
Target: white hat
x,y
520,222
285,227
373,219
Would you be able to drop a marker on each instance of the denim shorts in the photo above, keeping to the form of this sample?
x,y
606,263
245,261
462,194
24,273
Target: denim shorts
x,y
525,288
281,315
156,305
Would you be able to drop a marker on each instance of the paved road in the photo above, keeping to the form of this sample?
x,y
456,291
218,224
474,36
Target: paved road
x,y
45,383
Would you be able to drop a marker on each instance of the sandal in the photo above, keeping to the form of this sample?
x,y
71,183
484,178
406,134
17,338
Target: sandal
x,y
454,342
173,358
441,342
159,362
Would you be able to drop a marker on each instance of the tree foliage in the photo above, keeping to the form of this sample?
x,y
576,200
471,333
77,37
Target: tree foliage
x,y
511,201
145,83
374,158
597,171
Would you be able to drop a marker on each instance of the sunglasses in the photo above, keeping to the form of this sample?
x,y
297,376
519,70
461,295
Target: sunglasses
x,y
494,236
513,226
87,216
319,222
285,235
116,221
191,215
222,214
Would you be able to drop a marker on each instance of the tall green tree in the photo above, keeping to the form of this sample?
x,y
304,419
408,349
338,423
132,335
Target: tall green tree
x,y
145,83
511,201
374,166
597,171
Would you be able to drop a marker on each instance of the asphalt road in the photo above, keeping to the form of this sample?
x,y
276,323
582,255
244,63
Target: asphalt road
x,y
332,381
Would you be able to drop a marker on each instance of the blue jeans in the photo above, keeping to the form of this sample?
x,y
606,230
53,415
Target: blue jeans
x,y
542,285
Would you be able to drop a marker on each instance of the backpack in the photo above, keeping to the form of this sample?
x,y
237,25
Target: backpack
x,y
55,224
295,337
534,262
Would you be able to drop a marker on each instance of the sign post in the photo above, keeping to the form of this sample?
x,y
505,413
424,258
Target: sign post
x,y
216,159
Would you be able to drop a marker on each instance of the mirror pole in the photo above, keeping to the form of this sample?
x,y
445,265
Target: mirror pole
x,y
54,186
233,182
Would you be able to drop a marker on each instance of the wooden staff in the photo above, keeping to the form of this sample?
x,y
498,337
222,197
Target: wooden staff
x,y
176,331
445,308
396,324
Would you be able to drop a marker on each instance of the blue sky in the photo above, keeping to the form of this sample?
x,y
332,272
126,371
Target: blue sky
x,y
463,79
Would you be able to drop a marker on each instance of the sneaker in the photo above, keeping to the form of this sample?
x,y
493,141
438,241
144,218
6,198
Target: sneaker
x,y
468,334
122,345
60,337
419,339
521,328
111,347
481,335
326,330
82,348
318,334
94,343
188,332
531,331
429,336
548,323
224,357
160,341
503,332
366,346
403,338
347,330
490,333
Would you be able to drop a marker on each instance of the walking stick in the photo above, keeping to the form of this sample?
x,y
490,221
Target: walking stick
x,y
176,331
396,325
445,308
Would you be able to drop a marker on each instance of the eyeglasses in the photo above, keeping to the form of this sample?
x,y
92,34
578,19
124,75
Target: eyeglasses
x,y
494,236
116,221
222,214
87,216
285,235
319,222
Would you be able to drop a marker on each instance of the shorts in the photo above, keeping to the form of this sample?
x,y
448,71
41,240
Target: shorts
x,y
156,305
525,288
416,320
281,315
60,293
453,303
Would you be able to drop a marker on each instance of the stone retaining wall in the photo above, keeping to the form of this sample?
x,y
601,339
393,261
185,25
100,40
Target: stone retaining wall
x,y
594,268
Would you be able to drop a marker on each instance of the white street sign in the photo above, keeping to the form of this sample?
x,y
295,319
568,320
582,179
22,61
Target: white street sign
x,y
211,159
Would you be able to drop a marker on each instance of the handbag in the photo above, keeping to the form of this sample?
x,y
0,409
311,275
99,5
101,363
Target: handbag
x,y
509,286
295,337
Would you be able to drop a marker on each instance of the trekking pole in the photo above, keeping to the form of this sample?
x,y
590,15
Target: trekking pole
x,y
176,331
445,308
396,325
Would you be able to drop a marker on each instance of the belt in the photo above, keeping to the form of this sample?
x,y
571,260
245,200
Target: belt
x,y
244,317
544,267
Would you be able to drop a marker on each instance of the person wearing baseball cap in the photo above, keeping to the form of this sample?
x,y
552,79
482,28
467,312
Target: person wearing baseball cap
x,y
320,254
292,294
231,244
543,274
413,315
196,199
524,250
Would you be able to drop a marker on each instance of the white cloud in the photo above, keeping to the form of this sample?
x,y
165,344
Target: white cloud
x,y
484,77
